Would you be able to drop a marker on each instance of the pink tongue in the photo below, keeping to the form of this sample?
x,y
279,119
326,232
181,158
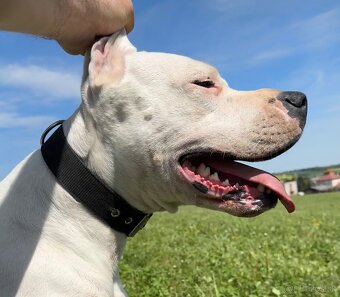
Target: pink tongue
x,y
256,175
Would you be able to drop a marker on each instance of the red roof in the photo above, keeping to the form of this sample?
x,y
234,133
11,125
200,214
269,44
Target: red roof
x,y
329,175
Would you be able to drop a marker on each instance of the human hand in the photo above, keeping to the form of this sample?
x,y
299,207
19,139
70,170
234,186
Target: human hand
x,y
73,23
80,21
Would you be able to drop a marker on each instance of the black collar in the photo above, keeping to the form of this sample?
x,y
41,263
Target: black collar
x,y
86,188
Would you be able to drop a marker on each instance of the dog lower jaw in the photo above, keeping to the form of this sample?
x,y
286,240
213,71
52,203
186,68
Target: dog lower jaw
x,y
242,205
232,187
231,207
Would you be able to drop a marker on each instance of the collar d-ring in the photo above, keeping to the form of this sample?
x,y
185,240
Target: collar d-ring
x,y
48,129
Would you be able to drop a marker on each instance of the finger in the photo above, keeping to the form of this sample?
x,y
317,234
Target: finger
x,y
130,22
75,48
120,16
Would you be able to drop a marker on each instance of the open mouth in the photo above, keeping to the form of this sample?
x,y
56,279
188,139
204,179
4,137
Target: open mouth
x,y
232,187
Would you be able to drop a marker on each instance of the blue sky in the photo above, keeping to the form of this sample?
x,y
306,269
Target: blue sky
x,y
288,45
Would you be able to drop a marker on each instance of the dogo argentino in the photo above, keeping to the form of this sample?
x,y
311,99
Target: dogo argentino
x,y
154,131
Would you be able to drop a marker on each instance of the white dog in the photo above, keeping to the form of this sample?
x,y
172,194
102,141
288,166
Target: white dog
x,y
161,131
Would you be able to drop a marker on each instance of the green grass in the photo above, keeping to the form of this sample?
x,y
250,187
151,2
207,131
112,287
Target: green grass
x,y
202,253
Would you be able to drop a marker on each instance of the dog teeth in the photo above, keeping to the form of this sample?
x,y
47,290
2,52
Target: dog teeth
x,y
260,188
237,185
257,203
214,177
188,165
226,182
243,195
203,170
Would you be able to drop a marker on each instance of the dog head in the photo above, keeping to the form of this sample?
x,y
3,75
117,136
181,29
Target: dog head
x,y
171,129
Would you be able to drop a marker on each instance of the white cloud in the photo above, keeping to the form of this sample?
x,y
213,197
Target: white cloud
x,y
315,33
271,54
41,81
10,100
264,40
231,6
11,120
319,31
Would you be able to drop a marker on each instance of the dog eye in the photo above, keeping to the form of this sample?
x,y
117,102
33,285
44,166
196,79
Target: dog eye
x,y
204,83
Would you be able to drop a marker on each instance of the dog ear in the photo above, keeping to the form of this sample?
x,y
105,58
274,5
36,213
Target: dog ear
x,y
107,59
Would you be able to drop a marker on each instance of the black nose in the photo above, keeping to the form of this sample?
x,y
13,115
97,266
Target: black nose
x,y
296,104
297,99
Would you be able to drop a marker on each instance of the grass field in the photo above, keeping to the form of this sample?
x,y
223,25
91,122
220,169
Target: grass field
x,y
201,253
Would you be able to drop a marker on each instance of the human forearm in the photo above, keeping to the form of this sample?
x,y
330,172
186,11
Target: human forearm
x,y
38,17
73,23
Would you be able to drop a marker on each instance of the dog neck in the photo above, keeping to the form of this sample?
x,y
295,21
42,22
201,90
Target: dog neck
x,y
86,188
90,232
82,137
84,140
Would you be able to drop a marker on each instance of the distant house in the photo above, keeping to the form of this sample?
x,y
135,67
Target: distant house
x,y
291,187
328,182
289,182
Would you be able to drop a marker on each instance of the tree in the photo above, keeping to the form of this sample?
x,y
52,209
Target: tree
x,y
303,183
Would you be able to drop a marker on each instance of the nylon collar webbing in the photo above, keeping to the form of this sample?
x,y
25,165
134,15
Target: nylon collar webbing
x,y
87,189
